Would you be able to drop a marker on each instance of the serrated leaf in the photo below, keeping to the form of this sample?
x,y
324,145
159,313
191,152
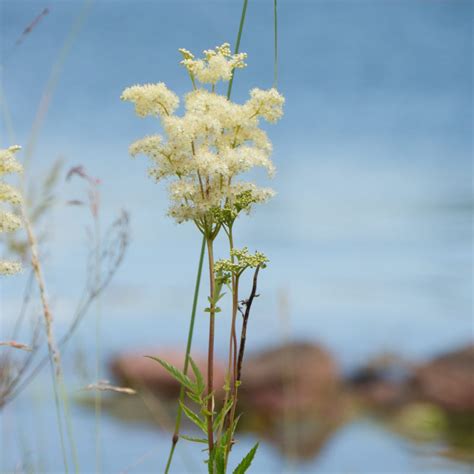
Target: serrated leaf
x,y
210,462
236,421
225,409
194,440
176,373
194,417
245,463
219,297
208,396
195,398
199,377
220,459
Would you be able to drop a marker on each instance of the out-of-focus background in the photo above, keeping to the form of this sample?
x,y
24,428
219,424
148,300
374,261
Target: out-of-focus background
x,y
370,235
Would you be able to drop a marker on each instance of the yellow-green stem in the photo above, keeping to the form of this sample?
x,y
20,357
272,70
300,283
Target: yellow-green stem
x,y
177,427
98,393
48,319
231,367
210,354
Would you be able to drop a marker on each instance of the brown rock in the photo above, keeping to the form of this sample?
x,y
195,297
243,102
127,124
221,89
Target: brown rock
x,y
134,369
448,380
294,377
382,382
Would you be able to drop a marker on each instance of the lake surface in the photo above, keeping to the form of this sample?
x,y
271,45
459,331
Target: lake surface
x,y
371,290
361,447
369,237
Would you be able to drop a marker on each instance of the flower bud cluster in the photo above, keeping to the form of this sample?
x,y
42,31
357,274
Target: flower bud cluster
x,y
241,260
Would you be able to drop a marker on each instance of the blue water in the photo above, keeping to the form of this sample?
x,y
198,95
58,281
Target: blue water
x,y
359,447
369,237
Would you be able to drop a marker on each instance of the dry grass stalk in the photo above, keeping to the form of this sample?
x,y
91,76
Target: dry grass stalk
x,y
105,386
16,345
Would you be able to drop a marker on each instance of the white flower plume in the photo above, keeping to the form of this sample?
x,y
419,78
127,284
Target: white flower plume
x,y
204,151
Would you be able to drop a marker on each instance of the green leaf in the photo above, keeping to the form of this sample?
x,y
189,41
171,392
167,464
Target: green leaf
x,y
199,377
219,297
236,421
176,373
208,396
206,412
194,417
245,463
210,461
220,458
220,417
194,440
195,398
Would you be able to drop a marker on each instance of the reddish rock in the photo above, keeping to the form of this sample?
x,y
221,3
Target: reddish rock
x,y
448,380
134,369
295,377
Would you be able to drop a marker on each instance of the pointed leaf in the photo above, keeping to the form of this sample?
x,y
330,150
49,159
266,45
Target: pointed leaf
x,y
194,440
210,462
194,418
219,297
199,377
245,463
176,373
195,398
220,417
220,459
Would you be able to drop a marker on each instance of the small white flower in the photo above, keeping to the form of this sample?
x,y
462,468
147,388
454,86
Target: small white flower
x,y
8,162
9,268
217,65
9,222
151,99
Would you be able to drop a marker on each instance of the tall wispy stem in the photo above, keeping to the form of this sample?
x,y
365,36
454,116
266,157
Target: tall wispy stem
x,y
232,362
238,366
98,393
179,415
210,354
237,42
53,351
275,44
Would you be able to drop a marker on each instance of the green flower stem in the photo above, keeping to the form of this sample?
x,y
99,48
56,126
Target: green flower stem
x,y
235,307
275,44
98,393
237,43
186,358
232,364
210,356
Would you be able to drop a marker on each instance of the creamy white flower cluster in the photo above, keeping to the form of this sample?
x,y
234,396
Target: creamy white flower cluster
x,y
9,221
215,141
217,65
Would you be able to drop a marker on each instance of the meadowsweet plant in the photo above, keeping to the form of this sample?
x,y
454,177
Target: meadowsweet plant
x,y
204,154
9,221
